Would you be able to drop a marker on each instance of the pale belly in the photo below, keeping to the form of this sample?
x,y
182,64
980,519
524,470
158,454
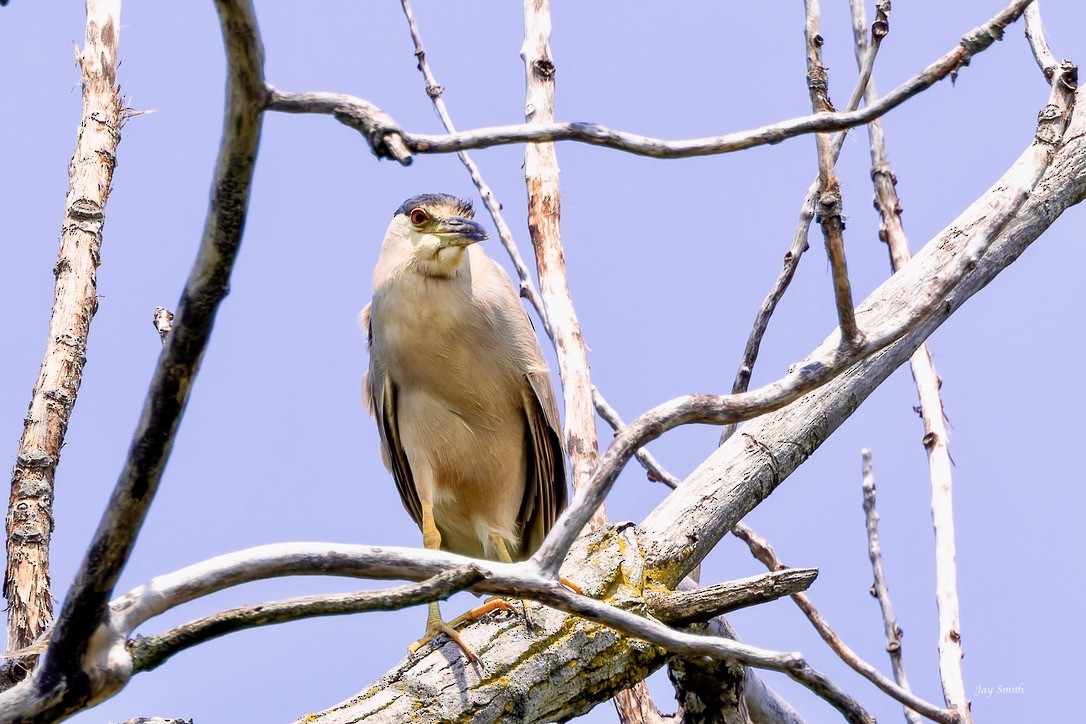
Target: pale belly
x,y
461,416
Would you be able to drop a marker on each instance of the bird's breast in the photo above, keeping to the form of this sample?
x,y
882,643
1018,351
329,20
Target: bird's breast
x,y
433,337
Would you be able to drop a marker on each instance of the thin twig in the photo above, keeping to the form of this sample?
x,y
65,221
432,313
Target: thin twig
x,y
434,91
799,239
879,589
86,602
762,551
1035,34
381,134
656,471
544,212
892,232
75,300
829,196
149,652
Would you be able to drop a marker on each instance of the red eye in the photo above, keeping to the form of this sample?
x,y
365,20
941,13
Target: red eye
x,y
419,217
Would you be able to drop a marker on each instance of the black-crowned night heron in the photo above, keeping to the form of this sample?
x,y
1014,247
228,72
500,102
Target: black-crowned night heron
x,y
460,392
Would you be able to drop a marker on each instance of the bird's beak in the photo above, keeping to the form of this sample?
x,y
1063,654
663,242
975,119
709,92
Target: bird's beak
x,y
458,231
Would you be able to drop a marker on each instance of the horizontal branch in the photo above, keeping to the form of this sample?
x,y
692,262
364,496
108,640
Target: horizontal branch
x,y
702,604
385,136
377,127
148,652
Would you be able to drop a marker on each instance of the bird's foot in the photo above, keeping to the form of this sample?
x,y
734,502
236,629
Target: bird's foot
x,y
434,626
491,604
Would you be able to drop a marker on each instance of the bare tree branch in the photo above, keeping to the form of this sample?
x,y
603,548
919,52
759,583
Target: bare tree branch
x,y
149,652
748,467
702,604
381,132
761,550
656,472
1035,34
75,300
57,680
572,677
879,589
544,211
980,226
799,240
377,127
829,196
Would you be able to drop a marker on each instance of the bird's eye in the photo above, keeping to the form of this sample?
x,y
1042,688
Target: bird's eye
x,y
419,217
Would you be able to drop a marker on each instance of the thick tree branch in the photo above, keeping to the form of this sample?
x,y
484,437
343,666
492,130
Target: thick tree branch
x,y
698,605
75,300
381,132
544,212
611,573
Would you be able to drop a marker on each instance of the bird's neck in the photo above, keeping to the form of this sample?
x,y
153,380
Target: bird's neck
x,y
446,263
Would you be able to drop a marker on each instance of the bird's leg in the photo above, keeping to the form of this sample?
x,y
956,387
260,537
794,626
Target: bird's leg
x,y
496,603
431,538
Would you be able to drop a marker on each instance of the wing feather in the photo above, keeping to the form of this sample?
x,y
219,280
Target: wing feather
x,y
545,489
382,401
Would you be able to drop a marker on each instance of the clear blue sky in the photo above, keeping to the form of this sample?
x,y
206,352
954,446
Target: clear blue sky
x,y
276,446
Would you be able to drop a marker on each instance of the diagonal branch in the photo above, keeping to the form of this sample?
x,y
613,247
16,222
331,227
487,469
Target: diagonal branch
x,y
761,550
75,300
85,606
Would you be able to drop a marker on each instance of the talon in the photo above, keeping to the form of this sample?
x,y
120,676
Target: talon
x,y
436,625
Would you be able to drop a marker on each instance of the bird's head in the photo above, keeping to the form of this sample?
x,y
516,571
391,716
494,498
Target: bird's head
x,y
431,232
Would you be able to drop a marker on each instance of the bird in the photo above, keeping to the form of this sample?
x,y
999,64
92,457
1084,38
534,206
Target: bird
x,y
461,393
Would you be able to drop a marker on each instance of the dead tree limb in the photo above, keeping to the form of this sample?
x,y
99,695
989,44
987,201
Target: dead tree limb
x,y
75,300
